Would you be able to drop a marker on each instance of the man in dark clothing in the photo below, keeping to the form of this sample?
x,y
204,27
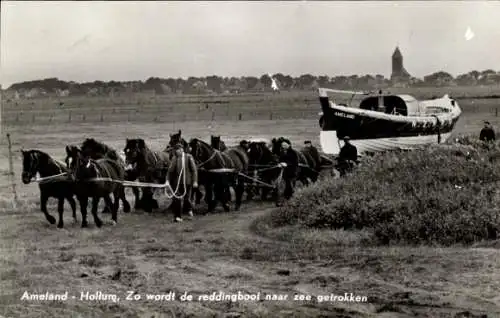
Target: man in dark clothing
x,y
313,151
487,133
348,157
289,160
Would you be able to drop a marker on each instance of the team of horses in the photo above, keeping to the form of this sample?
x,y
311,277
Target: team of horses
x,y
94,170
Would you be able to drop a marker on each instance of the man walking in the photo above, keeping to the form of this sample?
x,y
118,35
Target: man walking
x,y
289,160
182,176
487,133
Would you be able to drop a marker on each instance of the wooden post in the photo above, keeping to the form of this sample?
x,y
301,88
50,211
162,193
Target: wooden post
x,y
213,114
271,116
239,116
69,117
11,172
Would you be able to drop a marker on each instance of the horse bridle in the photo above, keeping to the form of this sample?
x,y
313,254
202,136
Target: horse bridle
x,y
33,167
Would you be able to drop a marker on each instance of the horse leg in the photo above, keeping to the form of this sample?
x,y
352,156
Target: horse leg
x,y
225,197
43,206
303,179
114,205
154,202
209,197
121,195
198,195
107,208
240,189
72,203
60,209
220,194
137,195
95,203
265,191
147,197
84,201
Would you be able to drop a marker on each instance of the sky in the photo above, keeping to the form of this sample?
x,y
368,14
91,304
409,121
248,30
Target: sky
x,y
87,41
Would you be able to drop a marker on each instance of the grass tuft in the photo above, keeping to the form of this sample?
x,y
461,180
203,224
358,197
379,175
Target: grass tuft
x,y
439,195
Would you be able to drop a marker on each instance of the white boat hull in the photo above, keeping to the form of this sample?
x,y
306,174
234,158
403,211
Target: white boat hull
x,y
331,145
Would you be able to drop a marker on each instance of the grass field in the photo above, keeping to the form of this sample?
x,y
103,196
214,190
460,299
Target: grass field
x,y
228,252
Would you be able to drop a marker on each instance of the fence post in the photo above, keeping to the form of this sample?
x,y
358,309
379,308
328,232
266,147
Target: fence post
x,y
271,116
11,172
239,116
213,114
496,112
69,117
102,117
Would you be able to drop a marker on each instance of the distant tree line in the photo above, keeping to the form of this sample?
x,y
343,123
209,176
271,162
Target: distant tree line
x,y
218,84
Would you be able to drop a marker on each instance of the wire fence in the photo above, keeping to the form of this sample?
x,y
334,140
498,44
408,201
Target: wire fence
x,y
160,115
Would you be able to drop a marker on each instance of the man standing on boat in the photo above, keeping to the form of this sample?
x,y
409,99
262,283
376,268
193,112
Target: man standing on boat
x,y
182,176
487,133
289,160
348,157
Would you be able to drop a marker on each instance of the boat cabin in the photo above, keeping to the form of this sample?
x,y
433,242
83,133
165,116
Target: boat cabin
x,y
404,105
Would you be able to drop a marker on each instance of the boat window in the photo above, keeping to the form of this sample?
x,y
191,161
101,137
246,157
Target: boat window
x,y
393,104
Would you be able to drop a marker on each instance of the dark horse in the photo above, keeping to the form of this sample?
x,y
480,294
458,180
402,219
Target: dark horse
x,y
60,188
306,170
97,150
83,170
151,167
174,140
208,159
217,143
263,165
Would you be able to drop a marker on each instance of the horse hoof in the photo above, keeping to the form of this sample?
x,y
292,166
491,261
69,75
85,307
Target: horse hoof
x,y
84,225
60,225
126,209
51,219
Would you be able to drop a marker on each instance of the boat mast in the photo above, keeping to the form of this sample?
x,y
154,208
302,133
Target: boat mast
x,y
380,100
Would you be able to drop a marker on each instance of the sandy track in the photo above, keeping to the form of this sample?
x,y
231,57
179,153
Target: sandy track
x,y
150,254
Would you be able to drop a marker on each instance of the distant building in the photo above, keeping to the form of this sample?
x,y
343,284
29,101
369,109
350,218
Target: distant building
x,y
400,75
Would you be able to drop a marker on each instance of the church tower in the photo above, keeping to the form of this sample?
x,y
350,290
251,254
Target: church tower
x,y
399,73
397,61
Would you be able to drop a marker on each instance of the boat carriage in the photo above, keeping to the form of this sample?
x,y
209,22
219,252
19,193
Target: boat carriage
x,y
385,121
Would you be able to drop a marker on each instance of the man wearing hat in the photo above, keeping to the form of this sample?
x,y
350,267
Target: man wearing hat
x,y
348,156
185,181
487,133
289,160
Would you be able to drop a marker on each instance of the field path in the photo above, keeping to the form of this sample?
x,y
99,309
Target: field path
x,y
147,253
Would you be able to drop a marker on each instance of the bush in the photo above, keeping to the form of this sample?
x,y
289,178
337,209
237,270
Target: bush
x,y
442,194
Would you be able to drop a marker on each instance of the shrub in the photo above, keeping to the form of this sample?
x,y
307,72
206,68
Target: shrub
x,y
442,194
